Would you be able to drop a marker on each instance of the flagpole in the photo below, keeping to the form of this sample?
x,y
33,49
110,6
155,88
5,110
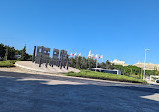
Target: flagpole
x,y
102,59
96,62
96,57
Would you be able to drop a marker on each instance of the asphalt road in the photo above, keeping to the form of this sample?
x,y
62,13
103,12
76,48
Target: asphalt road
x,y
25,92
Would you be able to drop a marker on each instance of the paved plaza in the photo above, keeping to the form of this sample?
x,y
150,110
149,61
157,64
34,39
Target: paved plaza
x,y
35,67
42,92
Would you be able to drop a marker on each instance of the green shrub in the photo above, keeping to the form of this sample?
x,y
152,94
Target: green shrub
x,y
12,61
71,72
106,76
9,63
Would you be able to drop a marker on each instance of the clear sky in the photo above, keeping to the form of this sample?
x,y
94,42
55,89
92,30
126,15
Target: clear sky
x,y
118,29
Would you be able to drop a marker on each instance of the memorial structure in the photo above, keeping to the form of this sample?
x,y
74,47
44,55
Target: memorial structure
x,y
55,58
42,55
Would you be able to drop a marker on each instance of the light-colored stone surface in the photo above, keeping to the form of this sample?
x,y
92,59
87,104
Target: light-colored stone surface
x,y
151,82
35,67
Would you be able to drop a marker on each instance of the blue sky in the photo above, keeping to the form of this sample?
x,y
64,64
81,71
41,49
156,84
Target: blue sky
x,y
118,29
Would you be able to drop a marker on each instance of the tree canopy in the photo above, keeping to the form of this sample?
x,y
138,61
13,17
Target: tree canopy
x,y
83,63
9,53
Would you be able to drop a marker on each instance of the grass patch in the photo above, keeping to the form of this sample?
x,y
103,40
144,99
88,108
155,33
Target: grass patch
x,y
105,76
8,63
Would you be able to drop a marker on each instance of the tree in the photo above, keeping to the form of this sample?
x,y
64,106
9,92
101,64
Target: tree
x,y
6,54
102,65
111,66
2,51
78,62
89,63
11,53
72,62
23,54
107,64
84,63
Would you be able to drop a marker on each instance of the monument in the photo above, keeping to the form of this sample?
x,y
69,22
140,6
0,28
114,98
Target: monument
x,y
55,58
42,55
63,58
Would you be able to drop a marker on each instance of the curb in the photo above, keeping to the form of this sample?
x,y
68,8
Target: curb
x,y
32,69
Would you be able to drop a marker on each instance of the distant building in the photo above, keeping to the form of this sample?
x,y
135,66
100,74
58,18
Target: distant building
x,y
118,62
149,66
118,72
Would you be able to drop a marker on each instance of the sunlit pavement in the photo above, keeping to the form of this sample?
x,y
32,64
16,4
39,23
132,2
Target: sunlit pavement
x,y
35,67
26,92
152,82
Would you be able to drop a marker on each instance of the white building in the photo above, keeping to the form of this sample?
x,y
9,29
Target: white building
x,y
148,66
118,62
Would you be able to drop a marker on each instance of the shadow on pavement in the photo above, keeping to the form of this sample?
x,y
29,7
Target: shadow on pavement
x,y
18,95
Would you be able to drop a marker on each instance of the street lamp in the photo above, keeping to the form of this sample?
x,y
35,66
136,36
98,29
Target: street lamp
x,y
145,63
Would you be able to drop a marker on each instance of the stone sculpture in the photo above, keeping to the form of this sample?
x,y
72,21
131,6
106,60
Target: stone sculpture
x,y
41,55
55,58
33,57
63,58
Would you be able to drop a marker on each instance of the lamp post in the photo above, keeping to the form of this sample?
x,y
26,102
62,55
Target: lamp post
x,y
145,63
